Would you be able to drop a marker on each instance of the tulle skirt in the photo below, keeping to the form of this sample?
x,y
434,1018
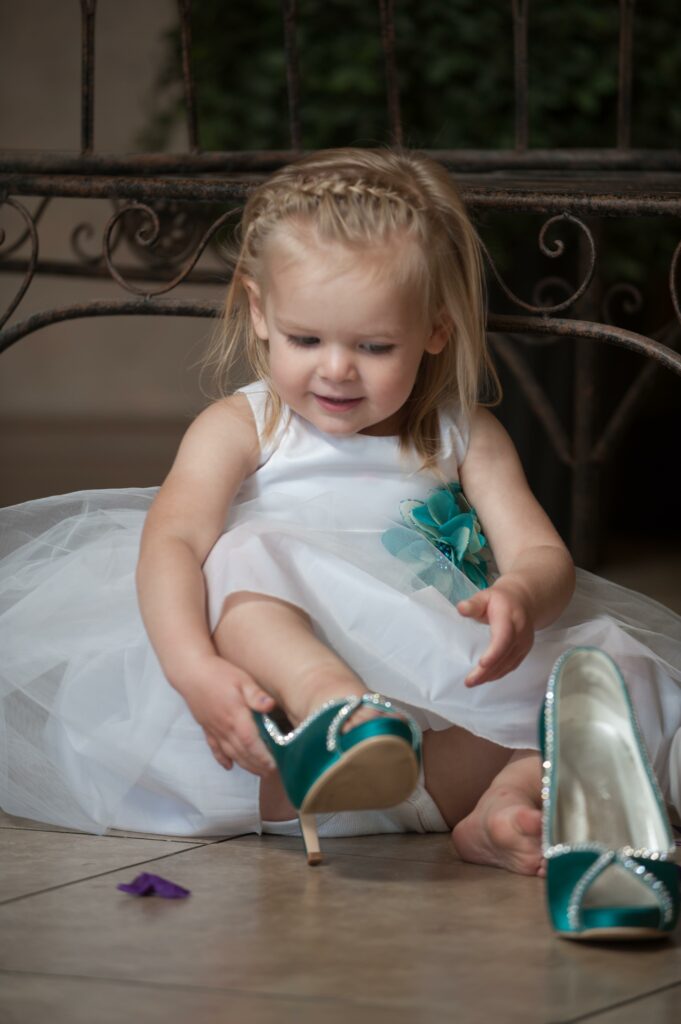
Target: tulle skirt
x,y
92,736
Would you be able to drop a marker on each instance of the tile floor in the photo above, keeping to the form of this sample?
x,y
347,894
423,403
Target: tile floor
x,y
389,929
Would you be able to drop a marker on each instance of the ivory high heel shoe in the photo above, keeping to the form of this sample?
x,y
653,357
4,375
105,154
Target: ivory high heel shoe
x,y
607,840
373,765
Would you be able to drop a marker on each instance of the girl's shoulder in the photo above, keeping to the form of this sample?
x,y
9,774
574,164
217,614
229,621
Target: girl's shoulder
x,y
489,443
226,425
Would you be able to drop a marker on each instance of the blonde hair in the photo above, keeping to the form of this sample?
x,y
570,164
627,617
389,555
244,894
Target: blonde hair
x,y
364,198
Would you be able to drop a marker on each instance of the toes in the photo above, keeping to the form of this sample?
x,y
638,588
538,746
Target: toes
x,y
365,714
515,834
359,717
503,830
528,821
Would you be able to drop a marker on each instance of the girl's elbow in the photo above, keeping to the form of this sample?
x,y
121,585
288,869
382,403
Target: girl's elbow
x,y
571,576
568,573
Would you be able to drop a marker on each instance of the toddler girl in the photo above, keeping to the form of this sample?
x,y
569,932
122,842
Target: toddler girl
x,y
311,544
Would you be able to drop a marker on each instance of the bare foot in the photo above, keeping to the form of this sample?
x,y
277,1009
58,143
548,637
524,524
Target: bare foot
x,y
504,831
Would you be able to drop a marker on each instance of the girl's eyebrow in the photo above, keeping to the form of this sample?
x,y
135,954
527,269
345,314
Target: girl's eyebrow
x,y
306,332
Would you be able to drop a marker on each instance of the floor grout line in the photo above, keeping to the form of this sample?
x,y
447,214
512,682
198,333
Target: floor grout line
x,y
242,992
105,835
101,874
364,855
631,1001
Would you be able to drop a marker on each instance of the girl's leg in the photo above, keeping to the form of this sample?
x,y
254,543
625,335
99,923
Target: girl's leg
x,y
273,641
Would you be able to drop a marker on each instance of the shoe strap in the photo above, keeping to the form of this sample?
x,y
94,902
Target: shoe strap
x,y
378,703
622,859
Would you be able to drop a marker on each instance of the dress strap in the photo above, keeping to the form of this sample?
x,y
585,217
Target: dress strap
x,y
257,394
455,432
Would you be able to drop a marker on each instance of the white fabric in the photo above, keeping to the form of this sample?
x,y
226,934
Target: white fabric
x,y
91,734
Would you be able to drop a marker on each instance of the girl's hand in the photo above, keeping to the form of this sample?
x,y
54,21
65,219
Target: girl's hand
x,y
221,697
506,609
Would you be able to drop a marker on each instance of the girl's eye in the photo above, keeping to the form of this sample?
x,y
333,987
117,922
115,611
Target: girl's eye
x,y
377,350
302,341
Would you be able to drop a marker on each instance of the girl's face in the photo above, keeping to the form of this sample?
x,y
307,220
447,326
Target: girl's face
x,y
345,340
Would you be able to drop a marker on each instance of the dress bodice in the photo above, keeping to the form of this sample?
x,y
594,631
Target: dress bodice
x,y
362,471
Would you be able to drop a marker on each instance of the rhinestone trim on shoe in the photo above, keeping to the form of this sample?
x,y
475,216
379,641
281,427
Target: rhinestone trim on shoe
x,y
655,884
380,704
608,857
283,739
346,705
574,910
558,849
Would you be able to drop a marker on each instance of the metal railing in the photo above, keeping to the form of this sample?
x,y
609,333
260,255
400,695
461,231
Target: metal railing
x,y
150,193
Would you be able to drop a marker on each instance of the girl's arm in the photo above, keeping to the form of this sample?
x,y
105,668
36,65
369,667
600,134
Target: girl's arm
x,y
537,575
218,451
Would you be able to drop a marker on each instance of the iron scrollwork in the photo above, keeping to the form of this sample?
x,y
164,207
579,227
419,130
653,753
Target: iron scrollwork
x,y
30,232
553,250
147,235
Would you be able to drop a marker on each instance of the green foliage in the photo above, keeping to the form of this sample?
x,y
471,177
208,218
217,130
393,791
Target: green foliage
x,y
455,60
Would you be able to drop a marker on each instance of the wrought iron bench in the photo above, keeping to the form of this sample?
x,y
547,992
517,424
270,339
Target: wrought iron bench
x,y
574,189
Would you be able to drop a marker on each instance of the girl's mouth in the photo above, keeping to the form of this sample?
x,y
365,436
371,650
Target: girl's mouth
x,y
337,404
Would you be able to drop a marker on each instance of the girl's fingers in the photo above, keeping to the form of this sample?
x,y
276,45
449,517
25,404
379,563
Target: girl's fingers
x,y
249,750
259,757
238,753
474,607
218,753
501,667
256,698
510,661
228,750
501,652
483,674
503,637
244,758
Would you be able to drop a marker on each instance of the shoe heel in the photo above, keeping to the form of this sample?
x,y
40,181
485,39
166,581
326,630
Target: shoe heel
x,y
308,825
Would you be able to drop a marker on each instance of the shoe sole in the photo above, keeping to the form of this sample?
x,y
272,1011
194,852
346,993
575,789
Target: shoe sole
x,y
379,772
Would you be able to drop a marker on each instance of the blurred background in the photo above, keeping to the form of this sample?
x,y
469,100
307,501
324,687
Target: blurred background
x,y
103,402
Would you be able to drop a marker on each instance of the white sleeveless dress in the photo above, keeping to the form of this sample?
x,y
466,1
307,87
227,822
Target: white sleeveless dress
x,y
91,734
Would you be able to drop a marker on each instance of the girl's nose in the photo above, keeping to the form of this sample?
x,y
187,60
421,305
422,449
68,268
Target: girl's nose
x,y
338,364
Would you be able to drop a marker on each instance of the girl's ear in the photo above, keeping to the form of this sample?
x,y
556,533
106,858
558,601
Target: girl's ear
x,y
443,330
255,306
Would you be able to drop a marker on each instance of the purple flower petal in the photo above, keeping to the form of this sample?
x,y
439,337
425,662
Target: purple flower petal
x,y
153,885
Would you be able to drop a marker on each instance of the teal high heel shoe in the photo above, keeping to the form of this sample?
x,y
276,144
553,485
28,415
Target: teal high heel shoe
x,y
608,844
372,766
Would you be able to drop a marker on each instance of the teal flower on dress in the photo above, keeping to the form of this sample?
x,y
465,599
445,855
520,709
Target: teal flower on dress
x,y
452,529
